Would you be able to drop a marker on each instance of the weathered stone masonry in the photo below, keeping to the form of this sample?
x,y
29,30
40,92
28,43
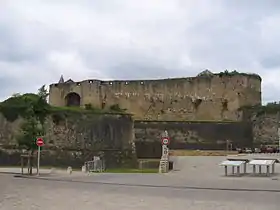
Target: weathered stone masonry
x,y
205,97
74,138
199,113
191,135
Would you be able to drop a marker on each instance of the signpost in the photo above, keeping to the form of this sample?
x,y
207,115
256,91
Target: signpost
x,y
278,118
164,161
279,139
165,141
40,143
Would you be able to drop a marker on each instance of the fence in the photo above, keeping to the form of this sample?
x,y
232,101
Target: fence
x,y
95,165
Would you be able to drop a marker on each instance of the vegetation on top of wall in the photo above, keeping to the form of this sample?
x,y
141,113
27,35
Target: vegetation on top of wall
x,y
86,110
35,105
59,114
88,106
234,73
20,105
186,121
117,108
270,108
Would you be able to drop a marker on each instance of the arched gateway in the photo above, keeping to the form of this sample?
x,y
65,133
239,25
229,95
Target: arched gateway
x,y
73,99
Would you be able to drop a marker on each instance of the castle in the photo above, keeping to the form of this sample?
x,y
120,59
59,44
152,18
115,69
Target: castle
x,y
207,96
201,112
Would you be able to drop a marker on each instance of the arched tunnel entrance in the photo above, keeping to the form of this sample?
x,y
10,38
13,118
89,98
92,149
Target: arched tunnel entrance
x,y
73,99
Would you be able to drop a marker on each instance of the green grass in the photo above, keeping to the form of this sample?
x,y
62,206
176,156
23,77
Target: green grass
x,y
130,170
201,152
94,110
115,170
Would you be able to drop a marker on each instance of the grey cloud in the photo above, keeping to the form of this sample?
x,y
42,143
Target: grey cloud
x,y
40,40
10,48
125,71
8,86
271,61
254,7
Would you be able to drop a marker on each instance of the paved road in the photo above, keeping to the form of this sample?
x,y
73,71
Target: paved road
x,y
130,191
18,193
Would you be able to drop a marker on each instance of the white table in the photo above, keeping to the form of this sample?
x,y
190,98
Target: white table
x,y
234,164
263,162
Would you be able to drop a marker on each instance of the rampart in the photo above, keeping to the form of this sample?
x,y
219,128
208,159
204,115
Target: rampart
x,y
205,97
191,135
73,138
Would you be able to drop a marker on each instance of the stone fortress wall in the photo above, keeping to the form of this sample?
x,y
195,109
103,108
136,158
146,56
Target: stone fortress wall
x,y
199,113
207,96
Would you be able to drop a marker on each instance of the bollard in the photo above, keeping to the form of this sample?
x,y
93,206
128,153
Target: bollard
x,y
69,170
52,170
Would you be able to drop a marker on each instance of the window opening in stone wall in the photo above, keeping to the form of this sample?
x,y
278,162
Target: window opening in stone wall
x,y
225,104
73,99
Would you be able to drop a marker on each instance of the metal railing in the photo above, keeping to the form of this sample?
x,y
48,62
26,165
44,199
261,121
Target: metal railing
x,y
95,165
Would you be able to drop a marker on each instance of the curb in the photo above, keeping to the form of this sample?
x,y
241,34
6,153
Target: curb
x,y
152,186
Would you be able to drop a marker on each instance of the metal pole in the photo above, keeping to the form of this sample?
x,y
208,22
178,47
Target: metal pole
x,y
227,147
166,133
279,139
278,131
38,163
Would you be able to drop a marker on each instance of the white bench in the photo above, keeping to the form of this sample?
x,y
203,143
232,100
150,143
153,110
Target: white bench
x,y
234,164
268,163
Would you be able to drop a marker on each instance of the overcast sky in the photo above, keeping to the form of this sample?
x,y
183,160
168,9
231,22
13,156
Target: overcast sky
x,y
129,39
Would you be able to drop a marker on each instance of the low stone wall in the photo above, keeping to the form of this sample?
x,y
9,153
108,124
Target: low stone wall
x,y
78,131
75,159
73,138
190,135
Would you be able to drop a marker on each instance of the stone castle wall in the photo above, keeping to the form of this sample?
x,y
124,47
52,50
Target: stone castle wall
x,y
265,128
265,123
191,135
78,131
73,138
214,97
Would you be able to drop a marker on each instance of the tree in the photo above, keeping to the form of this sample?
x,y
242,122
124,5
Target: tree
x,y
33,109
43,92
31,129
16,95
